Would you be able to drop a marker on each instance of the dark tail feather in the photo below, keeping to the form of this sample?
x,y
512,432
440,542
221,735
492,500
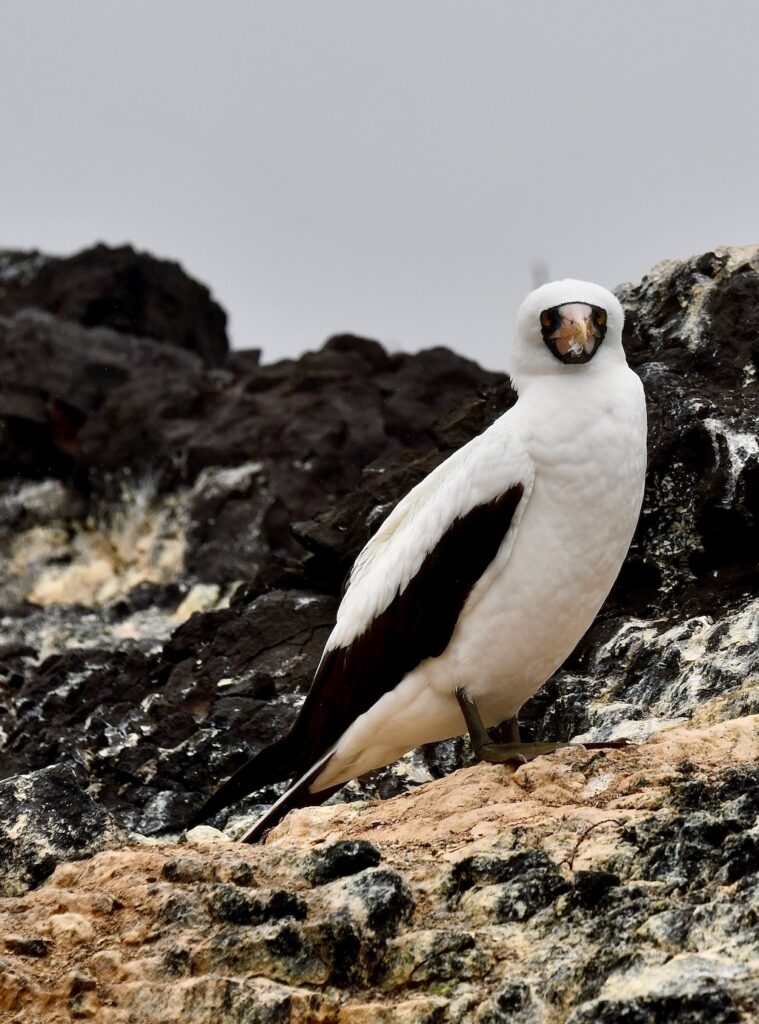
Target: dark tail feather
x,y
272,764
298,795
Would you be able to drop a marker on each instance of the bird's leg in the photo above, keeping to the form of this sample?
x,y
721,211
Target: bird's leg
x,y
479,737
484,746
506,732
486,749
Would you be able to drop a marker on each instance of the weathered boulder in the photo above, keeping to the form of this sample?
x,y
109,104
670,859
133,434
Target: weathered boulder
x,y
56,377
48,817
133,719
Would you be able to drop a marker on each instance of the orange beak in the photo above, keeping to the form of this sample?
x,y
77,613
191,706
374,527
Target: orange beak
x,y
575,334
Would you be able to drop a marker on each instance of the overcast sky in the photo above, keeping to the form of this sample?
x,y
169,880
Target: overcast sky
x,y
390,168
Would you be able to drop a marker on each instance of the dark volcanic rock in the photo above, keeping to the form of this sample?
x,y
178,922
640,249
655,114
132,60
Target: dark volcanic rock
x,y
56,377
385,898
27,947
266,446
131,292
153,729
232,905
365,911
712,837
692,334
346,857
202,511
274,476
312,433
60,822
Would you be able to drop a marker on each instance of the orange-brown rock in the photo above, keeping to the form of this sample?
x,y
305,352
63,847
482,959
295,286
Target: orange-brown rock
x,y
584,886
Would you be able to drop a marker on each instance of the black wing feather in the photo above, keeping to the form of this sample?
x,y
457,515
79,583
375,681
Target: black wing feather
x,y
416,625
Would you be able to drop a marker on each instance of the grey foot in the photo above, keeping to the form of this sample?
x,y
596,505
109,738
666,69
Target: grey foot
x,y
486,749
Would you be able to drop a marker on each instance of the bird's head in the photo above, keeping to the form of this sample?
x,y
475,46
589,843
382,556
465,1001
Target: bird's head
x,y
566,327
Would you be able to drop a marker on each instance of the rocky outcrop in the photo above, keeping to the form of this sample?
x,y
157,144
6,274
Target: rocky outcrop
x,y
175,524
243,494
57,377
585,887
131,292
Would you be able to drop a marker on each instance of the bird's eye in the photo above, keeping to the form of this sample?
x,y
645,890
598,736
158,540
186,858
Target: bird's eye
x,y
545,318
600,317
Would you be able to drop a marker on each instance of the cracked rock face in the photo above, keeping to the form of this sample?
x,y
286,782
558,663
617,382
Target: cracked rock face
x,y
175,525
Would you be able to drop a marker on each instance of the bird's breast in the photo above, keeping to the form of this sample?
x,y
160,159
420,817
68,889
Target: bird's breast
x,y
521,624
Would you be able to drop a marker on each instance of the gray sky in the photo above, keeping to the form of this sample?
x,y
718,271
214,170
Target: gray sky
x,y
390,168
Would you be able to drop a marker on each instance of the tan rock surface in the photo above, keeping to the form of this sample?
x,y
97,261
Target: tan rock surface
x,y
496,888
573,788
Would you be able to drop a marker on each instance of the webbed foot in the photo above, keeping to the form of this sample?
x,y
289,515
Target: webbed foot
x,y
487,749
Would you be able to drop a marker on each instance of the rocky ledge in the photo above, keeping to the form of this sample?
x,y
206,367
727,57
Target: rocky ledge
x,y
581,888
175,524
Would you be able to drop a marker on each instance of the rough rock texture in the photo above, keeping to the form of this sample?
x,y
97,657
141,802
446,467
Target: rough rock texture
x,y
45,818
175,525
128,291
585,887
243,493
58,375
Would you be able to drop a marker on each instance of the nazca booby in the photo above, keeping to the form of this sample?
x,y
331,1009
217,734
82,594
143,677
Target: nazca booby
x,y
484,577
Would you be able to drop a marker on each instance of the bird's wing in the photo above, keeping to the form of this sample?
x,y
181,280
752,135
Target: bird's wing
x,y
410,582
403,600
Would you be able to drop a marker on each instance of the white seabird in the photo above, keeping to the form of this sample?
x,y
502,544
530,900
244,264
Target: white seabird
x,y
484,577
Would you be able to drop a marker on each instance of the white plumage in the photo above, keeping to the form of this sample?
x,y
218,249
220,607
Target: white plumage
x,y
576,440
396,552
487,573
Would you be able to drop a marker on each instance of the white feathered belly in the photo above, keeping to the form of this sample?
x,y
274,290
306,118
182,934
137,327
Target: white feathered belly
x,y
517,629
517,626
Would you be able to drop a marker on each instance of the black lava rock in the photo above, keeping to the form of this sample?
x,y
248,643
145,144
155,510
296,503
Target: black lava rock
x,y
130,292
590,888
280,473
350,954
345,857
386,899
515,1002
489,869
703,1007
232,905
27,947
364,912
61,822
716,841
